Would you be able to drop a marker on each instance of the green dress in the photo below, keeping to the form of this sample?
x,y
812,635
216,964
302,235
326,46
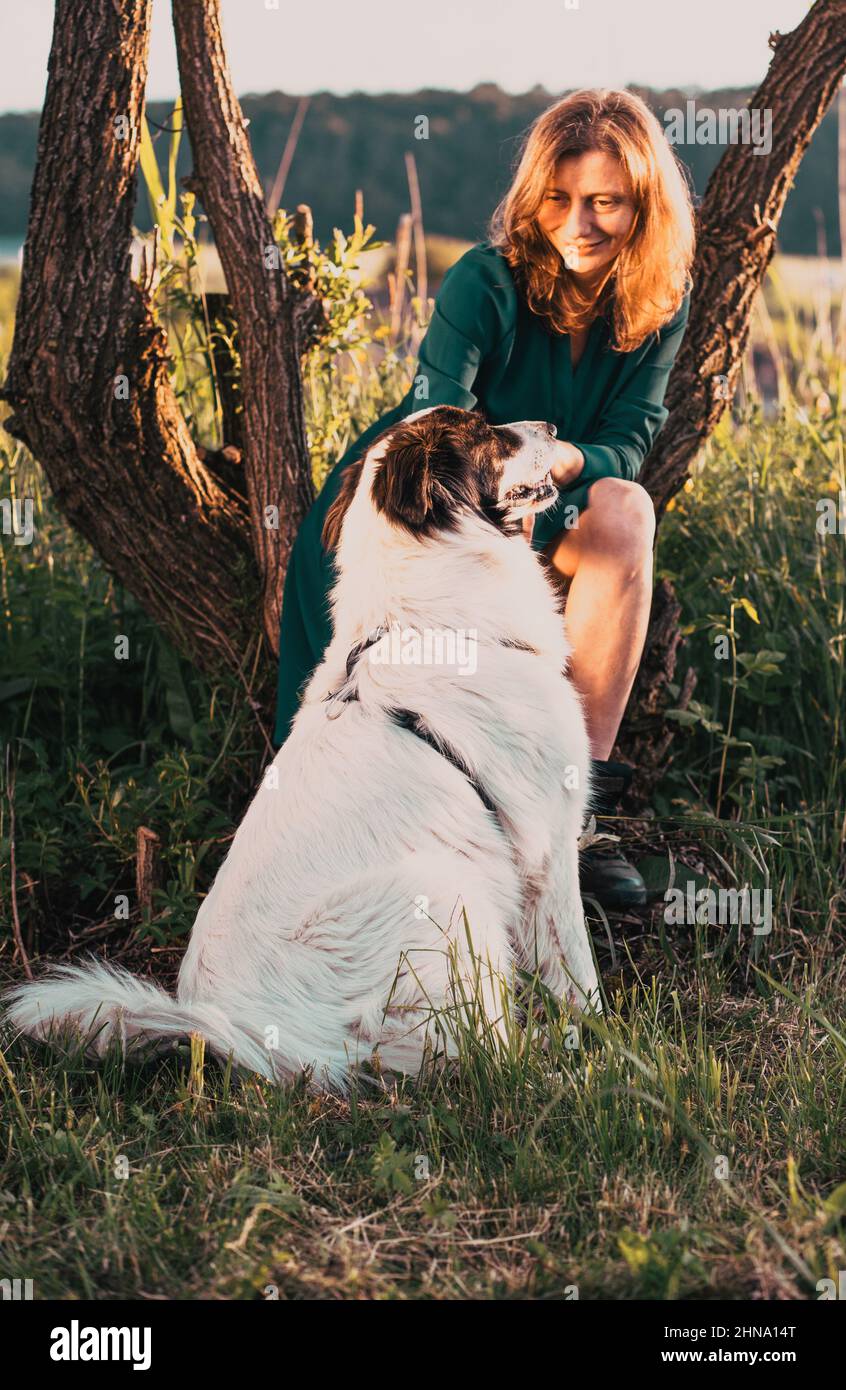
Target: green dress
x,y
485,349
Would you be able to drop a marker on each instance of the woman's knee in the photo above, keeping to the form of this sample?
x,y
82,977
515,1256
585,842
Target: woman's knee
x,y
620,514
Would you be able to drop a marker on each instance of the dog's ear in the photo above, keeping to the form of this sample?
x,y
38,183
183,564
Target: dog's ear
x,y
331,533
402,488
413,482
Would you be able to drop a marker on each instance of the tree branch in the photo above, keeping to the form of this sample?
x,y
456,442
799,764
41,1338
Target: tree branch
x,y
266,306
738,221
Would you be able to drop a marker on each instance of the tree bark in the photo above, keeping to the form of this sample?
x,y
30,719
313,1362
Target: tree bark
x,y
738,221
124,471
737,225
269,309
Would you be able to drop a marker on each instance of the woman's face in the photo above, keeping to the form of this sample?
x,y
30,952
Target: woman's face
x,y
587,212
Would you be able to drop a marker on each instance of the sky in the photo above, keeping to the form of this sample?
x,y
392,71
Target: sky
x,y
383,46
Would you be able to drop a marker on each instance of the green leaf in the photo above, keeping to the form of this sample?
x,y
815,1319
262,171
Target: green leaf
x,y
150,171
683,716
654,869
173,154
835,1203
8,689
180,715
391,1167
749,608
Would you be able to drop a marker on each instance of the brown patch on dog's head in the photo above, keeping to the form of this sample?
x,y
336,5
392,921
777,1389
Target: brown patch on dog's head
x,y
331,533
435,467
444,462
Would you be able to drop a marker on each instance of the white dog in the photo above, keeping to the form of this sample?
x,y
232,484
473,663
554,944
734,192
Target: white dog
x,y
419,793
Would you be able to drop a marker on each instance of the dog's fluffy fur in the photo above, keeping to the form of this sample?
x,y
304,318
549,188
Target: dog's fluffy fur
x,y
339,918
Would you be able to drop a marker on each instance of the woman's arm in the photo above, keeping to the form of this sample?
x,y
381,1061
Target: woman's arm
x,y
474,311
628,428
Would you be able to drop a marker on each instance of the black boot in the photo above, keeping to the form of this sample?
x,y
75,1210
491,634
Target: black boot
x,y
604,873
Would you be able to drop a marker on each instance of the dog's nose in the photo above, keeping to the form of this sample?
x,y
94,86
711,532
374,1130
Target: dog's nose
x,y
552,430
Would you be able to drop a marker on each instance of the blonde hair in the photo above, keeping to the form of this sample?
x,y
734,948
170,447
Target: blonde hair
x,y
650,275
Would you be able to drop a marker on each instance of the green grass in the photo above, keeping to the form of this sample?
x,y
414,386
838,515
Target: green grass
x,y
689,1144
526,1174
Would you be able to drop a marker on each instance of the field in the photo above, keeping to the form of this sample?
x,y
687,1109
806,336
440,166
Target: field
x,y
690,1144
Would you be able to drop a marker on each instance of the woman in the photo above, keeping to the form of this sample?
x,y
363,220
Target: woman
x,y
572,312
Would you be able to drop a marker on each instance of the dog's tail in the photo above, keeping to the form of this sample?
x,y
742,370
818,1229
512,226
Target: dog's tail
x,y
103,1003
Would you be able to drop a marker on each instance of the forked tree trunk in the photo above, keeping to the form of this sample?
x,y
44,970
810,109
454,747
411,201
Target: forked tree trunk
x,y
263,301
88,380
88,375
183,531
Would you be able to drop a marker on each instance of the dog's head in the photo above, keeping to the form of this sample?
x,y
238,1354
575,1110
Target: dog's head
x,y
443,463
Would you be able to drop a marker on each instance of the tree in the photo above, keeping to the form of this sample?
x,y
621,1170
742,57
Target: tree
x,y
88,382
736,237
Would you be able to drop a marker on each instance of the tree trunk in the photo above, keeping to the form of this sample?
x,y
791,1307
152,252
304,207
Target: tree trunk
x,y
88,381
738,221
225,178
189,534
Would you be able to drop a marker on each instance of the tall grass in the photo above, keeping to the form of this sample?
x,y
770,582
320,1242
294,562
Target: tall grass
x,y
675,1148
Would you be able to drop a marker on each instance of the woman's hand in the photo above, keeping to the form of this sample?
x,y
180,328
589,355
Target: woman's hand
x,y
568,464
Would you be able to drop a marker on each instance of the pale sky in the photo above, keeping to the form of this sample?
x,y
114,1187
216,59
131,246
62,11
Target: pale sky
x,y
385,46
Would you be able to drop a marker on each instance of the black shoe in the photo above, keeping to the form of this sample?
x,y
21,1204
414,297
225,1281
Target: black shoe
x,y
605,873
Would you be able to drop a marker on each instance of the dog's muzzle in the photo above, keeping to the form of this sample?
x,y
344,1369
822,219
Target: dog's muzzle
x,y
535,493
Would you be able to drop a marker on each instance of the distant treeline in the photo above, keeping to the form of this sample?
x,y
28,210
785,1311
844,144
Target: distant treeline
x,y
359,141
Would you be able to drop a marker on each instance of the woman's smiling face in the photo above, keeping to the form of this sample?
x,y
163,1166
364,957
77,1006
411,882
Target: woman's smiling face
x,y
588,211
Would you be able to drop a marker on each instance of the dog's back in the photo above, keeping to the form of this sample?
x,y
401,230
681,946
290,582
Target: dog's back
x,y
417,828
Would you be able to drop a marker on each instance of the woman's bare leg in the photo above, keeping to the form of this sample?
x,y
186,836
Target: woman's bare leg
x,y
606,563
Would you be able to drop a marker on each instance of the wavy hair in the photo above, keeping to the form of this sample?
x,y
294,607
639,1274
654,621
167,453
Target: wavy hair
x,y
650,275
